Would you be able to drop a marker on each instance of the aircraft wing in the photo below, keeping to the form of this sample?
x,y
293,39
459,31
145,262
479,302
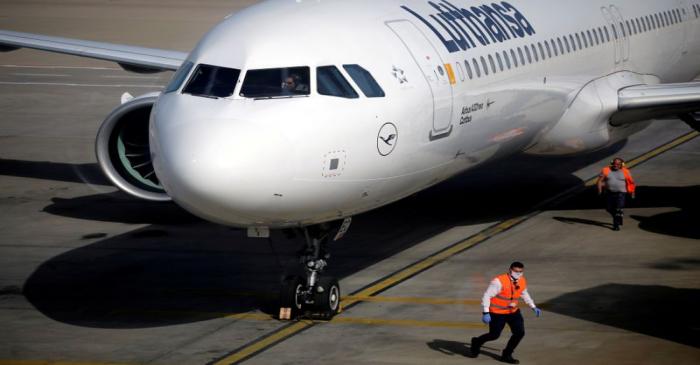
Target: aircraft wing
x,y
644,102
131,58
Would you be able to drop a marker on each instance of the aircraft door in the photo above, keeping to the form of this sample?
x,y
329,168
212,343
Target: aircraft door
x,y
438,75
623,32
615,33
685,16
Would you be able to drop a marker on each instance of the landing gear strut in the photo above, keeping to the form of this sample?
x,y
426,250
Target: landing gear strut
x,y
313,294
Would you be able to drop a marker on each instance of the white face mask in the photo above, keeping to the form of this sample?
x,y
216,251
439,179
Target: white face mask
x,y
516,275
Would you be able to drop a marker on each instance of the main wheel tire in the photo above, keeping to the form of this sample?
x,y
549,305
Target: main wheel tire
x,y
328,300
291,295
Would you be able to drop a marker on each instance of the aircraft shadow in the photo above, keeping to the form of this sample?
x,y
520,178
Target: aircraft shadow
x,y
637,308
89,173
181,269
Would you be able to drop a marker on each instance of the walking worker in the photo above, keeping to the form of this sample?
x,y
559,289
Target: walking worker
x,y
500,303
617,182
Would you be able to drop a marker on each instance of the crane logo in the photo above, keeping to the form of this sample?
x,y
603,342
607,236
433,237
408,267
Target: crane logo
x,y
387,138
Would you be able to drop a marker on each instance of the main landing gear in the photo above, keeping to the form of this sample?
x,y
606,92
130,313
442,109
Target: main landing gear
x,y
313,294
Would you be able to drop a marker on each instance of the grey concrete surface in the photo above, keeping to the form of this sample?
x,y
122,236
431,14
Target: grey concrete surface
x,y
88,275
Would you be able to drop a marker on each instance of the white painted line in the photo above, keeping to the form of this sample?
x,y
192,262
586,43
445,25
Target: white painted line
x,y
38,75
63,67
78,85
130,77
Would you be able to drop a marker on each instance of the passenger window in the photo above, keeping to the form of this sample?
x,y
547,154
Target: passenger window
x,y
330,82
578,41
500,61
493,64
534,53
527,53
549,49
486,67
364,81
212,81
476,67
566,42
276,82
597,39
469,70
507,59
585,40
515,59
522,58
179,77
573,43
541,48
590,38
607,34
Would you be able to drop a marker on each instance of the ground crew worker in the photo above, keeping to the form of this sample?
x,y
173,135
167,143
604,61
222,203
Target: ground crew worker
x,y
618,182
500,304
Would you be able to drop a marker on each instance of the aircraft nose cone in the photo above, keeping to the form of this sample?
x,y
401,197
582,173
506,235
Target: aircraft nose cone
x,y
225,171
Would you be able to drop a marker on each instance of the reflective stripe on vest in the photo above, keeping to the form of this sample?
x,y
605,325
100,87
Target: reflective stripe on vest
x,y
506,302
628,178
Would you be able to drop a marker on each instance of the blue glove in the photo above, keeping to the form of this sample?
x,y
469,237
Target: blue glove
x,y
486,318
538,312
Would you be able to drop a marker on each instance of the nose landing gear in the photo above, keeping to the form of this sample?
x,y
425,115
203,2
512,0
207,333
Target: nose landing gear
x,y
313,295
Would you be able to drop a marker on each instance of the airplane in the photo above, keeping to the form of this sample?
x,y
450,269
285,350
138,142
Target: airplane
x,y
361,103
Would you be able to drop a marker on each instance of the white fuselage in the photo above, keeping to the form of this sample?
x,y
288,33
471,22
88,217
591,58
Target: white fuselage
x,y
281,162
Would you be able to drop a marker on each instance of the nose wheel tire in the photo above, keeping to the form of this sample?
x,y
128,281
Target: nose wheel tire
x,y
327,297
291,295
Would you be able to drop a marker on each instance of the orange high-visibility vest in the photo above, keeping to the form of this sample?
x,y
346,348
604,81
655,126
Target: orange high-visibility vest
x,y
506,302
628,178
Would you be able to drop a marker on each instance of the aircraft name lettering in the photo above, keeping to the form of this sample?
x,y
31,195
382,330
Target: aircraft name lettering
x,y
466,28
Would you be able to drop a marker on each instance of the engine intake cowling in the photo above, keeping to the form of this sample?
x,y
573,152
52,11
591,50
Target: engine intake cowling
x,y
123,150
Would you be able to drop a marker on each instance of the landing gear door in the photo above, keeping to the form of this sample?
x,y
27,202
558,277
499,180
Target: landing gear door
x,y
438,75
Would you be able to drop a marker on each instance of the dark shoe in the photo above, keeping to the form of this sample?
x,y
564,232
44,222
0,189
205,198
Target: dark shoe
x,y
616,228
509,359
475,348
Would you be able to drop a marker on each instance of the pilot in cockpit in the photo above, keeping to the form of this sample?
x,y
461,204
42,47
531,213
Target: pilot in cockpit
x,y
292,85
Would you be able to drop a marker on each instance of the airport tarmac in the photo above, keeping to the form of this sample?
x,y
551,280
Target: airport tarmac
x,y
91,276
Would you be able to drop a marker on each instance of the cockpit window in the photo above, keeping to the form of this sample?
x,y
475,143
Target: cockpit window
x,y
212,81
179,77
364,81
332,83
276,82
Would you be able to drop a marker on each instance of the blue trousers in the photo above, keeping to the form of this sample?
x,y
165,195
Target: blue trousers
x,y
615,205
498,322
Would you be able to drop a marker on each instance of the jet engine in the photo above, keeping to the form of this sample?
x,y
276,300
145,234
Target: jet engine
x,y
123,150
